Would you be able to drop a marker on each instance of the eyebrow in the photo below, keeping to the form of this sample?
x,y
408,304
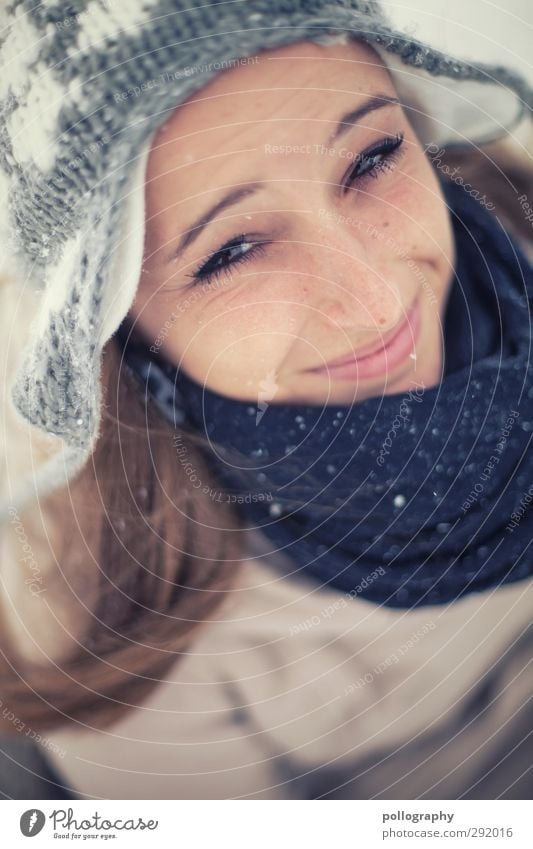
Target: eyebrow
x,y
348,120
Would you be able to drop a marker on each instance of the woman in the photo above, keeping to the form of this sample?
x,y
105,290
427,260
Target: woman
x,y
225,615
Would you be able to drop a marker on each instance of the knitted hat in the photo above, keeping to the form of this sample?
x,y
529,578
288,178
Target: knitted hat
x,y
75,133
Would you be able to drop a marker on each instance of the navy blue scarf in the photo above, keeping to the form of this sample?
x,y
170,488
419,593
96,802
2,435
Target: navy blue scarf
x,y
405,499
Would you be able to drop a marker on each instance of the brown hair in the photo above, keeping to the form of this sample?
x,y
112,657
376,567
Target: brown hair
x,y
142,561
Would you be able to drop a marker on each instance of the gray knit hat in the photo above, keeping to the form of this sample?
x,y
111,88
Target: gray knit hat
x,y
75,132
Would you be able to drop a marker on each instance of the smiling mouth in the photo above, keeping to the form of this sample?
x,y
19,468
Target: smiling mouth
x,y
373,357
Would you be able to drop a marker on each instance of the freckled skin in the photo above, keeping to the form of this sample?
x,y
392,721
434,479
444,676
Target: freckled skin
x,y
339,270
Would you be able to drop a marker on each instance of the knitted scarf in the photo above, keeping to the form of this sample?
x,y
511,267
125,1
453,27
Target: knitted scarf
x,y
407,499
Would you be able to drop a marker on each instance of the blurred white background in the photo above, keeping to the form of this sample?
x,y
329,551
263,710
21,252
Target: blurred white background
x,y
498,32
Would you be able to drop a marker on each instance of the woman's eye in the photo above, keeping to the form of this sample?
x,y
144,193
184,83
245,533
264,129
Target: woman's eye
x,y
239,249
379,158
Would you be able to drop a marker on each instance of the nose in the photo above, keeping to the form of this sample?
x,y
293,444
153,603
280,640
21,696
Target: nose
x,y
358,291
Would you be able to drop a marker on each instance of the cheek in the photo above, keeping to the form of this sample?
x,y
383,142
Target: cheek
x,y
419,219
257,303
248,332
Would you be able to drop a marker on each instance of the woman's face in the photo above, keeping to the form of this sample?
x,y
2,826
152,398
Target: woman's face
x,y
331,241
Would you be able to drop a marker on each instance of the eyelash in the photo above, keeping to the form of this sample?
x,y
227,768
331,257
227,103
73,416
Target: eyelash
x,y
390,148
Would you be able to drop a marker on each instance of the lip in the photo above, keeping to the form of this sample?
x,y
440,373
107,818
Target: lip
x,y
374,360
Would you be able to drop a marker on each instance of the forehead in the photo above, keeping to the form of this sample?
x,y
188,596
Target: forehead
x,y
301,80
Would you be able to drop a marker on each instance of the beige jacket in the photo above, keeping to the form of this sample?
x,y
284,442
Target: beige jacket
x,y
297,686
